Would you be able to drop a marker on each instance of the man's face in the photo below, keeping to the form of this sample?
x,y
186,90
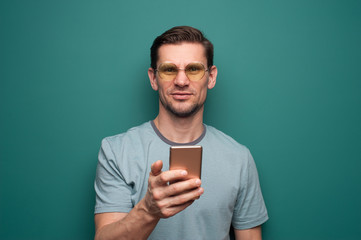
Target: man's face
x,y
182,97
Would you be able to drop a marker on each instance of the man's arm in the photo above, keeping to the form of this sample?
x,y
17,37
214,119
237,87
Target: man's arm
x,y
248,234
161,201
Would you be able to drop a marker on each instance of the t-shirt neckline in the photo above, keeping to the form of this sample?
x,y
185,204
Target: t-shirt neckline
x,y
169,142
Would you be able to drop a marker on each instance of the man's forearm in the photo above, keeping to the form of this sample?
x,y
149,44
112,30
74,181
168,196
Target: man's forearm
x,y
137,224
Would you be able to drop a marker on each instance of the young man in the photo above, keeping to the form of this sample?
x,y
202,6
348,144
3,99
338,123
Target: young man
x,y
134,199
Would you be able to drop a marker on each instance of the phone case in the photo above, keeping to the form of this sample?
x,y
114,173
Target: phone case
x,y
188,158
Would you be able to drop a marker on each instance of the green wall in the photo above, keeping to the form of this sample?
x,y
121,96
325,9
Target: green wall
x,y
289,87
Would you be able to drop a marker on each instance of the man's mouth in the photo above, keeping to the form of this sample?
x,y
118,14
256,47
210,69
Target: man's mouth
x,y
181,95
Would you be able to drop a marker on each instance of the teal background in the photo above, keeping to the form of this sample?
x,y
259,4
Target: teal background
x,y
73,72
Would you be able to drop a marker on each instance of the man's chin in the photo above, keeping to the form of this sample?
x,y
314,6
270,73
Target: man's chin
x,y
183,113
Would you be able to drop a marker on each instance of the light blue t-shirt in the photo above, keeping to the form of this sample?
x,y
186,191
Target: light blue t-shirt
x,y
232,193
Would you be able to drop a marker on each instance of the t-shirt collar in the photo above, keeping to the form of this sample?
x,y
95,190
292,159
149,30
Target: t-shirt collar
x,y
167,141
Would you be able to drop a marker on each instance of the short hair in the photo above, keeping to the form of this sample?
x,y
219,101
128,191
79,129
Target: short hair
x,y
178,35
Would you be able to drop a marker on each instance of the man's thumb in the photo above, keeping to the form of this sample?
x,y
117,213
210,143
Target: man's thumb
x,y
156,167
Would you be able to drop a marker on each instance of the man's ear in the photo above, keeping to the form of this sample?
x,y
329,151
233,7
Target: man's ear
x,y
153,79
212,77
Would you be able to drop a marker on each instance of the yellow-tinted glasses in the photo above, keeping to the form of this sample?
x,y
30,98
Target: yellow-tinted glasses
x,y
194,71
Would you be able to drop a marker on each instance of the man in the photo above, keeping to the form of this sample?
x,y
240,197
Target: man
x,y
134,199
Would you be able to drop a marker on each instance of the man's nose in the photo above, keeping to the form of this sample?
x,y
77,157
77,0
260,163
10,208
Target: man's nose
x,y
181,79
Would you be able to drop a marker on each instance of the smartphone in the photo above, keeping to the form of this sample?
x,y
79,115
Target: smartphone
x,y
187,158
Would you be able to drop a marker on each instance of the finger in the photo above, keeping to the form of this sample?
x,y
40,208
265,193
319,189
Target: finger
x,y
156,167
181,187
171,211
178,188
185,197
173,205
171,176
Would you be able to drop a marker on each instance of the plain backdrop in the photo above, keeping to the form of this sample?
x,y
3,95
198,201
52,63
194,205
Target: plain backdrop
x,y
289,88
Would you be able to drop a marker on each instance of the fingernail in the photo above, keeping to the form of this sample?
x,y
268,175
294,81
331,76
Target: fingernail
x,y
198,182
184,173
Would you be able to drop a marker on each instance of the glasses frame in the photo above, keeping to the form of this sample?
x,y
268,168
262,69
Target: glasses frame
x,y
183,69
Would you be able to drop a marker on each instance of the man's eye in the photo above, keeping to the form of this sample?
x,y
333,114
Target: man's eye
x,y
193,69
170,70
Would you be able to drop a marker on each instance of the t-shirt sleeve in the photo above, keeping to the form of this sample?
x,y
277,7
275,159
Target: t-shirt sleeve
x,y
113,194
250,210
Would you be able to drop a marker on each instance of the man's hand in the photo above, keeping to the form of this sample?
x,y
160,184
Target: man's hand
x,y
164,200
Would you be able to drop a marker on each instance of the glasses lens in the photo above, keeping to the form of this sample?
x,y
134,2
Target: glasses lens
x,y
195,71
168,71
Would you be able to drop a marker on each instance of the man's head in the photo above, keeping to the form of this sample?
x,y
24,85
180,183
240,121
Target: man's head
x,y
177,35
182,71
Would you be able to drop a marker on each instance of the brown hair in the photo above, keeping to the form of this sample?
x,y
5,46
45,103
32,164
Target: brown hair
x,y
177,35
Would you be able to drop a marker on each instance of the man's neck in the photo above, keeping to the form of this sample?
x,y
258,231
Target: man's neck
x,y
180,130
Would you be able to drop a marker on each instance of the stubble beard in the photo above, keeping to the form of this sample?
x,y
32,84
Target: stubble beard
x,y
181,113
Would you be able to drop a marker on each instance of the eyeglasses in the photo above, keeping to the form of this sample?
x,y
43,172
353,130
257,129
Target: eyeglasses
x,y
169,71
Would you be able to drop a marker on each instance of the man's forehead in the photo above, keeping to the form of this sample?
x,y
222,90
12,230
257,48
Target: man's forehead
x,y
182,52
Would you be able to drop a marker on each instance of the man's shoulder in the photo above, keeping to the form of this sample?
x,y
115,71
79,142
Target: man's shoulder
x,y
132,134
220,138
